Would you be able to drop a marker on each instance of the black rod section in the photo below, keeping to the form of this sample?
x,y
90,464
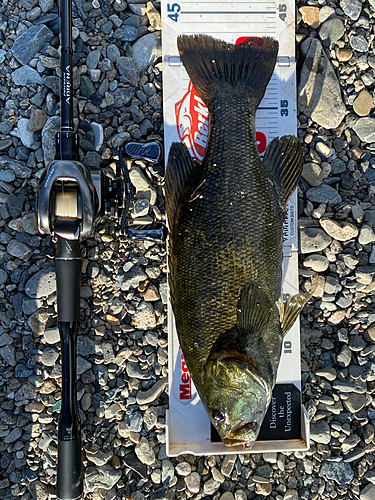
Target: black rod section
x,y
68,282
66,66
67,141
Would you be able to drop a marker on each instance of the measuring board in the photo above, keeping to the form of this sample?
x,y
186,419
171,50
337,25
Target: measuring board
x,y
186,119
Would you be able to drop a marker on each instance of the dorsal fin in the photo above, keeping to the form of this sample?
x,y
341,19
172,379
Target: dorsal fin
x,y
284,159
180,168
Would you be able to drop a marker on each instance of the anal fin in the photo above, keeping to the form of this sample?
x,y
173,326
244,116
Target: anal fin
x,y
284,159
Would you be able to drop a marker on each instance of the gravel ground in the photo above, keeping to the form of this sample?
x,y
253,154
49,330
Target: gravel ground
x,y
122,346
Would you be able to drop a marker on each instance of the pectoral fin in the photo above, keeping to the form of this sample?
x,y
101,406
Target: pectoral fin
x,y
254,308
290,309
284,158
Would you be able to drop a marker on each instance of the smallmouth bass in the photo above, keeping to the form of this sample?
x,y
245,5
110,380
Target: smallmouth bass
x,y
225,243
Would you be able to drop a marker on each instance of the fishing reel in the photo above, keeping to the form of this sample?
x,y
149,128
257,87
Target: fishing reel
x,y
72,196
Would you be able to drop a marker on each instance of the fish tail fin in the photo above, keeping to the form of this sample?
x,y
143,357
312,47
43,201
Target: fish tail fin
x,y
213,65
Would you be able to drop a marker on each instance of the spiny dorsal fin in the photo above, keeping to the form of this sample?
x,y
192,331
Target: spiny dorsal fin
x,y
253,311
290,309
180,168
284,159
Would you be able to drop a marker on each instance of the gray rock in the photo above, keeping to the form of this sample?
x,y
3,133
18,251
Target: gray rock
x,y
46,5
142,185
2,56
52,335
340,472
13,436
331,31
42,284
147,397
27,137
82,365
193,482
18,250
37,120
316,262
359,43
3,276
352,8
366,235
319,93
29,43
104,477
93,58
365,129
323,194
355,402
19,168
25,75
30,306
144,452
85,346
8,354
135,371
126,33
344,357
126,68
368,492
49,356
140,208
49,131
123,95
134,421
313,240
39,491
15,203
113,53
29,223
146,50
101,374
144,317
101,457
133,278
320,432
87,87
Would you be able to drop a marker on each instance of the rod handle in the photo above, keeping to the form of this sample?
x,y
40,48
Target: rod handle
x,y
69,470
68,279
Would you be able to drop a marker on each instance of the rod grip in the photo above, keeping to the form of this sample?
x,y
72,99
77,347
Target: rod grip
x,y
68,279
69,470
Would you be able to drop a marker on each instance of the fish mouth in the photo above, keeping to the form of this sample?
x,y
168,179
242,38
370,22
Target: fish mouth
x,y
232,440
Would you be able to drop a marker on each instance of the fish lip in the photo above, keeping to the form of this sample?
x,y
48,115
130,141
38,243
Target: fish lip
x,y
232,441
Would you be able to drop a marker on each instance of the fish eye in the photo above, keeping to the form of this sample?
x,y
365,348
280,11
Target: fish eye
x,y
218,416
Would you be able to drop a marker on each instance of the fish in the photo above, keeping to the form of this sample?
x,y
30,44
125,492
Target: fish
x,y
225,219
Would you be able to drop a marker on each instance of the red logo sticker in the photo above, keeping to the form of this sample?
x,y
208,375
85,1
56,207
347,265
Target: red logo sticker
x,y
193,125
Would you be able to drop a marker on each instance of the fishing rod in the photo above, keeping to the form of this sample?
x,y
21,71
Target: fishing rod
x,y
71,197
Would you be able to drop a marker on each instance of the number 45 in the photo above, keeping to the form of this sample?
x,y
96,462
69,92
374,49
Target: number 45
x,y
282,11
174,9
